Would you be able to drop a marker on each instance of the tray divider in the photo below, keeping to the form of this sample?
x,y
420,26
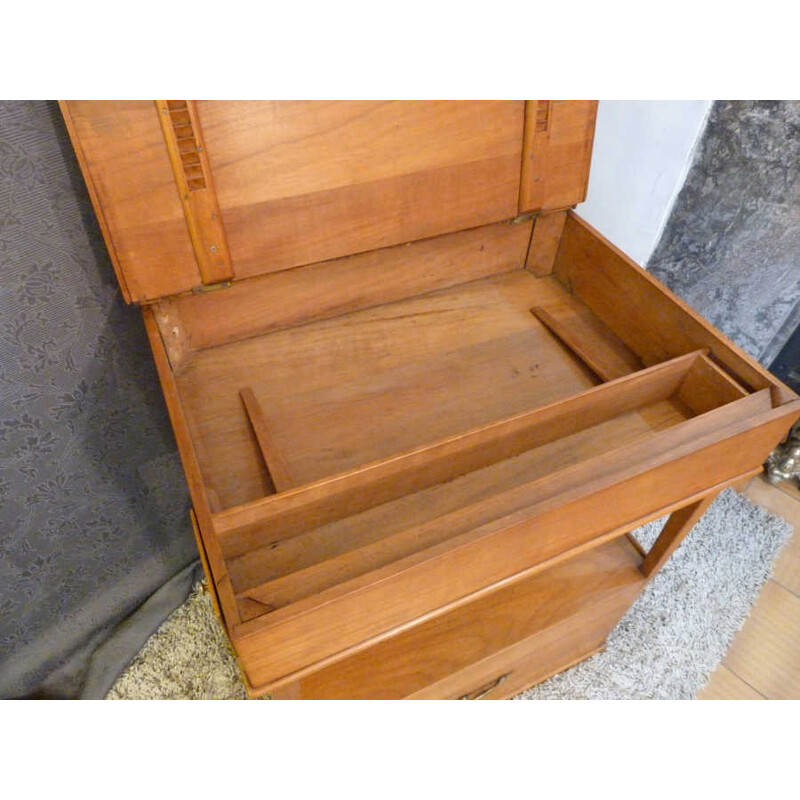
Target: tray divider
x,y
277,467
706,386
575,326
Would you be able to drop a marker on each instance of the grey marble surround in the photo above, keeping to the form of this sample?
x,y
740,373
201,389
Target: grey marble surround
x,y
731,247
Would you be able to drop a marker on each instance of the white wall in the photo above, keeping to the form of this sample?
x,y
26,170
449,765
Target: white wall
x,y
642,152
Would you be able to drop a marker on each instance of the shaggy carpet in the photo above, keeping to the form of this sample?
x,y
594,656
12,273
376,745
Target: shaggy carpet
x,y
665,647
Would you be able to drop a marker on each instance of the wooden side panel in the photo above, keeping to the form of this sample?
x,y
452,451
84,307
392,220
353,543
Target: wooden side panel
x,y
302,181
124,159
557,153
649,318
209,548
328,289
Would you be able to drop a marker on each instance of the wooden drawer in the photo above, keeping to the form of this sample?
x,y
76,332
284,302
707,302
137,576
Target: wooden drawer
x,y
520,633
443,391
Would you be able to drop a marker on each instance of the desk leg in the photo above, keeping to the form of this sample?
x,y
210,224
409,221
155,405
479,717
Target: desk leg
x,y
678,525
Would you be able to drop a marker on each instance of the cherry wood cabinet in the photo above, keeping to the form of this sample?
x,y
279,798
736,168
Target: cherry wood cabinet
x,y
419,402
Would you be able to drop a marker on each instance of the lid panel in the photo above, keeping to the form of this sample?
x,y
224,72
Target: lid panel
x,y
557,153
199,193
122,152
306,181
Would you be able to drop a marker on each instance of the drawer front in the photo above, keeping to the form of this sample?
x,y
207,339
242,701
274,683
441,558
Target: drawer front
x,y
532,661
544,622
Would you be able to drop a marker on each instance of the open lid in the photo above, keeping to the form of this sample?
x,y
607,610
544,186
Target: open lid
x,y
193,194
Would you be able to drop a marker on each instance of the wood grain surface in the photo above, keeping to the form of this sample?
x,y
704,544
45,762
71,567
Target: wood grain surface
x,y
123,155
305,181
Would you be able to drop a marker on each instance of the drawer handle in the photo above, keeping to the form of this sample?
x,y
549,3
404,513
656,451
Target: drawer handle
x,y
479,694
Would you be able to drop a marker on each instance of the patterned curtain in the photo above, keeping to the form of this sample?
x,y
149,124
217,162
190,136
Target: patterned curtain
x,y
95,546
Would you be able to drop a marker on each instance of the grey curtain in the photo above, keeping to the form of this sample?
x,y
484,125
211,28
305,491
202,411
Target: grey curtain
x,y
95,547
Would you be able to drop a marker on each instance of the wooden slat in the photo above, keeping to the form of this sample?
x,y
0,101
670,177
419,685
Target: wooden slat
x,y
300,182
331,288
344,495
557,154
628,300
589,338
124,160
546,237
617,488
274,460
195,185
200,502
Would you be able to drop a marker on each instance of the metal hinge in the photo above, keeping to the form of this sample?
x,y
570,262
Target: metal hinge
x,y
523,218
211,287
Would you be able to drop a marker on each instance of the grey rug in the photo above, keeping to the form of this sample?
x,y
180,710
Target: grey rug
x,y
665,647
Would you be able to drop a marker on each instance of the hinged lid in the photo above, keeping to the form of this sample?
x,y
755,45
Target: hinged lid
x,y
191,194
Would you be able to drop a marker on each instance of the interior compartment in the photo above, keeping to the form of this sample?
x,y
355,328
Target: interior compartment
x,y
333,448
327,397
354,456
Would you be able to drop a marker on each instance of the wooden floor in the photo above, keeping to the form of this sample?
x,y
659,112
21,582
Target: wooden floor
x,y
764,659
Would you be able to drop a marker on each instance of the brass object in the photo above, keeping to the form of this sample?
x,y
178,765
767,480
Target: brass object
x,y
211,287
783,463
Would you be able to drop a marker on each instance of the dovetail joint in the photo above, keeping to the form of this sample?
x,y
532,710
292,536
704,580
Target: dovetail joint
x,y
188,148
543,115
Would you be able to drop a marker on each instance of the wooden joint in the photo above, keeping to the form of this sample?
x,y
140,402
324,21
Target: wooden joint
x,y
543,116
